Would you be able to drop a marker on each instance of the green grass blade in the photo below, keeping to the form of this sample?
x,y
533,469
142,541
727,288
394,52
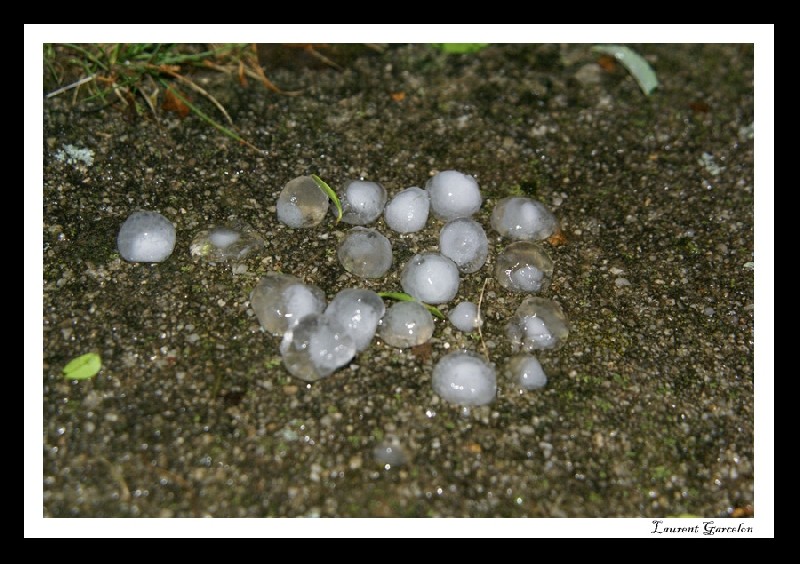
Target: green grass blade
x,y
90,56
229,132
459,48
639,68
331,194
199,58
403,297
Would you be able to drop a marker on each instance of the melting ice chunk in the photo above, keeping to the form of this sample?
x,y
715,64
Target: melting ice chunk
x,y
523,219
281,300
527,371
316,347
358,311
230,242
223,237
390,453
302,203
524,267
538,323
406,324
365,253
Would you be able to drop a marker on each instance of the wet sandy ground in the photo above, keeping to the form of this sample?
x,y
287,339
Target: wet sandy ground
x,y
649,409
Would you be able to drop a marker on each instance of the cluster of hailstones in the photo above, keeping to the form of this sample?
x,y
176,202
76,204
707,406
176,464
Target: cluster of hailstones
x,y
318,337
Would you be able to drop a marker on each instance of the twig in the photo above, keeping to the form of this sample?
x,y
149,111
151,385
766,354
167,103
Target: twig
x,y
150,100
260,76
316,54
116,473
480,319
75,84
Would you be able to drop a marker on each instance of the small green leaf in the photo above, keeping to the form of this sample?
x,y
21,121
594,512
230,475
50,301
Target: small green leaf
x,y
83,367
400,296
635,63
459,48
331,194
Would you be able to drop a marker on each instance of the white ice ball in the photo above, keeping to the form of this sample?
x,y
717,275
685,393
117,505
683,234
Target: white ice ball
x,y
363,202
453,195
408,211
465,317
465,378
431,278
146,236
464,241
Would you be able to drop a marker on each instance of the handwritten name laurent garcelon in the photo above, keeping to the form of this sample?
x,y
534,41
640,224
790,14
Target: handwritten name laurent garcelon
x,y
707,528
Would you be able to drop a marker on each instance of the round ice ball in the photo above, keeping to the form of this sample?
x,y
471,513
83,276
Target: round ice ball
x,y
358,311
408,211
406,324
465,378
453,194
146,236
316,347
464,241
524,266
465,317
302,203
431,278
363,202
523,219
281,300
538,323
527,371
365,253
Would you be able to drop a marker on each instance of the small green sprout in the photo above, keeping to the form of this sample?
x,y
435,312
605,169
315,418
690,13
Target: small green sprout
x,y
401,297
331,194
83,367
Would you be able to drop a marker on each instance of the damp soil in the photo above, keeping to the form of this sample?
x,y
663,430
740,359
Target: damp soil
x,y
648,410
